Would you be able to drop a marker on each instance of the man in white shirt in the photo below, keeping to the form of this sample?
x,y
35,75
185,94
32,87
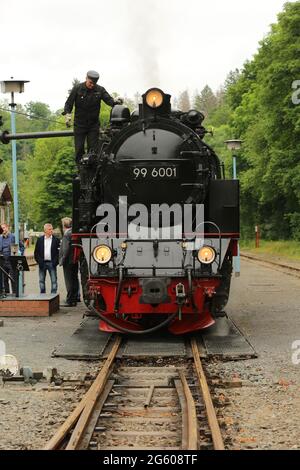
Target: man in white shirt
x,y
46,255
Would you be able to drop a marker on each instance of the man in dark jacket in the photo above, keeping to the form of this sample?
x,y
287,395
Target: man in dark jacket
x,y
7,239
46,255
66,261
87,97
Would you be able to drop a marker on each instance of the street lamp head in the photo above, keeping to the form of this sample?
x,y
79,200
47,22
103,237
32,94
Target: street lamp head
x,y
13,86
234,144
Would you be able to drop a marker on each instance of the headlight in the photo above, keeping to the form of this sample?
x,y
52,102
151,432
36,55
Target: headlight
x,y
154,98
102,254
206,255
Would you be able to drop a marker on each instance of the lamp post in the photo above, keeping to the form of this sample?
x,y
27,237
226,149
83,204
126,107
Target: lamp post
x,y
234,145
8,212
14,86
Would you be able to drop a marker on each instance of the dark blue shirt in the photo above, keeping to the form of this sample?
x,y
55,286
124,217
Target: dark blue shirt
x,y
6,242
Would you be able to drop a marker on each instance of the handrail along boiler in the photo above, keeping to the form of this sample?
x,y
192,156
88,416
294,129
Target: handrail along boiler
x,y
154,158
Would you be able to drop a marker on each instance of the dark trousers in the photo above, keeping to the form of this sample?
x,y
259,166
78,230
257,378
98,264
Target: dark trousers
x,y
1,278
91,135
4,279
71,281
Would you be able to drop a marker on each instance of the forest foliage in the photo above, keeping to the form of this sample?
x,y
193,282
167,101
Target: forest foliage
x,y
259,104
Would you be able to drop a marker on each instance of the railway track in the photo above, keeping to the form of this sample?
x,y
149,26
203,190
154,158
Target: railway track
x,y
139,408
287,269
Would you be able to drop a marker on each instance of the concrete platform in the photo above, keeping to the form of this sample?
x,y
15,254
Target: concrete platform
x,y
31,305
224,339
87,342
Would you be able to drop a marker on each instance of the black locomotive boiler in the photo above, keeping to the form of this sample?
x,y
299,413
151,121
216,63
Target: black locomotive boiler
x,y
140,278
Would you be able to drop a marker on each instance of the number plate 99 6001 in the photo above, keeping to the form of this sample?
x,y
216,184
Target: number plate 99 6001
x,y
155,172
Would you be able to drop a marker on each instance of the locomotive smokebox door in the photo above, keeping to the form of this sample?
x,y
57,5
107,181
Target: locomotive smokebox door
x,y
223,206
154,291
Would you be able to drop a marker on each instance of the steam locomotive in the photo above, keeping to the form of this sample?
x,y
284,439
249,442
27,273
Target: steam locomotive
x,y
155,222
147,260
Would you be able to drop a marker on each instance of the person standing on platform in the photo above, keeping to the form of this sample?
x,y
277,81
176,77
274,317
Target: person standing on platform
x,y
46,254
7,239
66,261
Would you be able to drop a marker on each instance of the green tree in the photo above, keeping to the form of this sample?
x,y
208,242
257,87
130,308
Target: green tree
x,y
258,108
273,133
55,200
32,182
206,101
184,103
40,115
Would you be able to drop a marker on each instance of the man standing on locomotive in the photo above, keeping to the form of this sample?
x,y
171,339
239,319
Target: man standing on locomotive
x,y
87,98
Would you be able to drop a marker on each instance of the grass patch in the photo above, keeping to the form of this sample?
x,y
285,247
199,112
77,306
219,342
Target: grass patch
x,y
285,248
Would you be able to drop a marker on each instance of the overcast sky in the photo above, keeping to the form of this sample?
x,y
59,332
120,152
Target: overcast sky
x,y
133,44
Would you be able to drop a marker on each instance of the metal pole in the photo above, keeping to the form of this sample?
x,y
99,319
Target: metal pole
x,y
234,167
19,287
8,214
236,259
6,137
14,169
257,236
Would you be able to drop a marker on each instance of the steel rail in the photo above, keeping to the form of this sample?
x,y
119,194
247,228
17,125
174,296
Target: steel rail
x,y
92,398
85,406
282,267
88,433
149,396
184,419
192,422
210,410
